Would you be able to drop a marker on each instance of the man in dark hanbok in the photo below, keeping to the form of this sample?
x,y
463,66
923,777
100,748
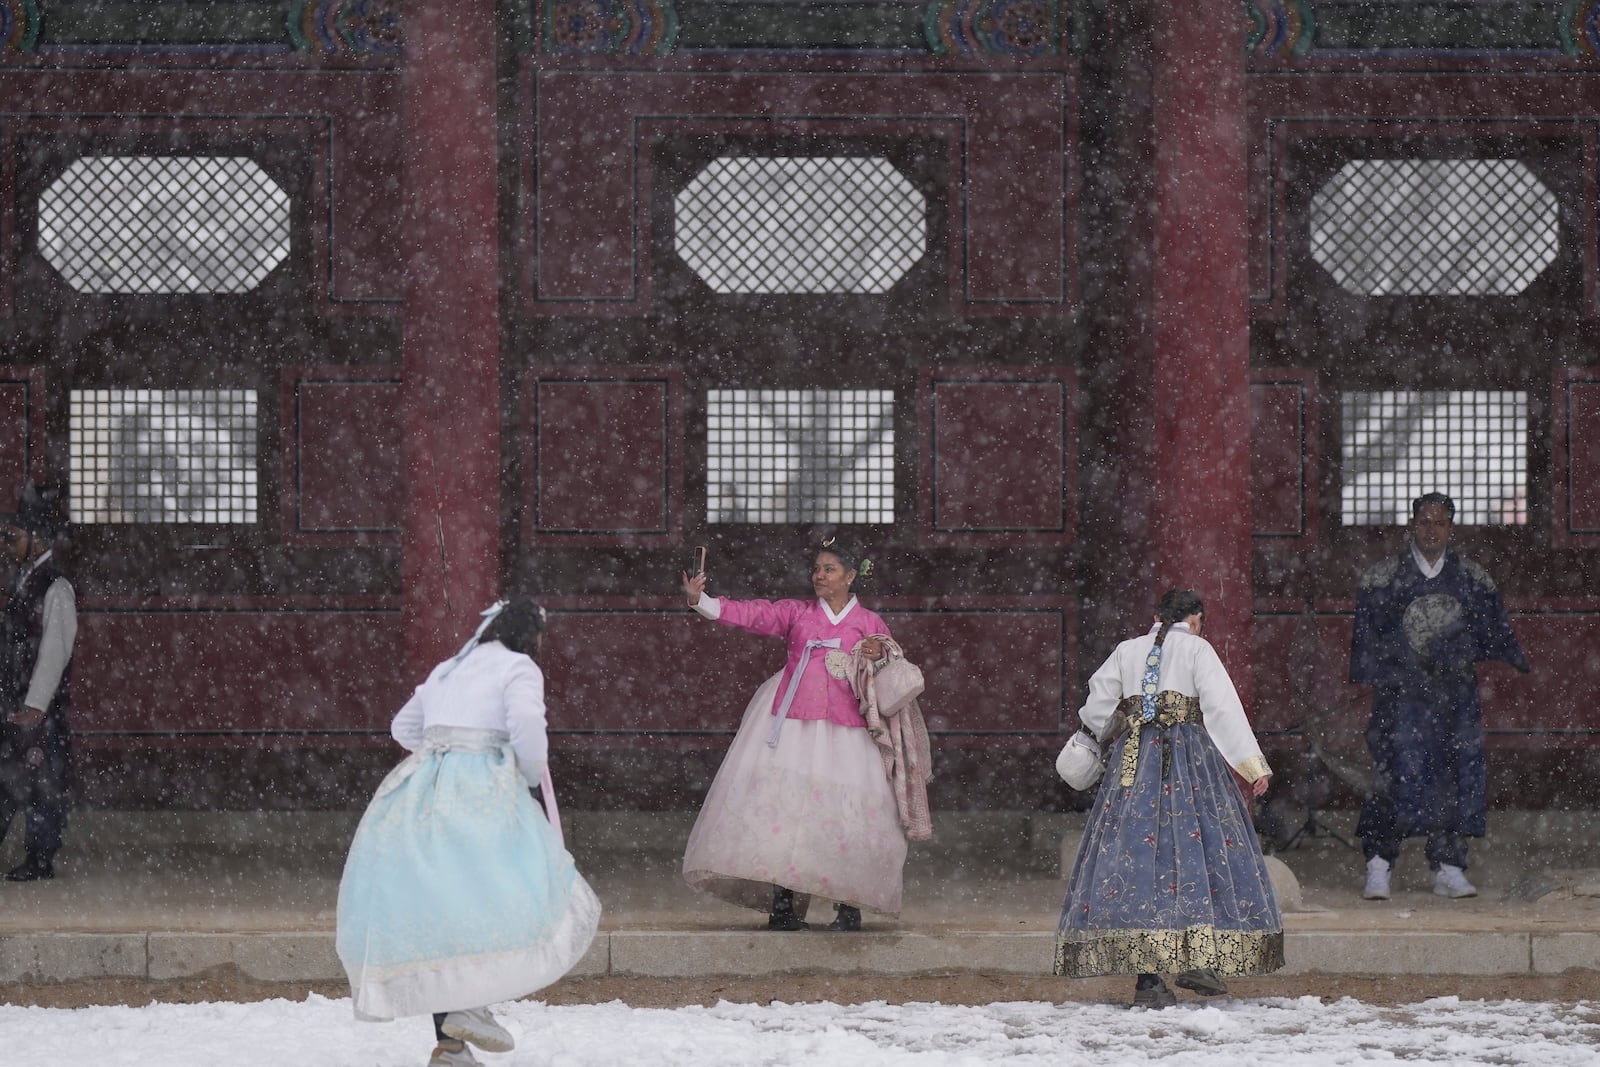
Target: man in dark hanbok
x,y
1424,619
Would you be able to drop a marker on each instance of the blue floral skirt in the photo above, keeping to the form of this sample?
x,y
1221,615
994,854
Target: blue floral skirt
x,y
456,893
1170,876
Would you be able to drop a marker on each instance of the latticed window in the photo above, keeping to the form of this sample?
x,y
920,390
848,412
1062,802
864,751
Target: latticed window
x,y
164,224
1435,227
1398,444
800,225
148,455
792,455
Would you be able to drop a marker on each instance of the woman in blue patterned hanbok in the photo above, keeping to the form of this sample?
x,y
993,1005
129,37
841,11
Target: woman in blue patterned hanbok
x,y
458,891
1170,878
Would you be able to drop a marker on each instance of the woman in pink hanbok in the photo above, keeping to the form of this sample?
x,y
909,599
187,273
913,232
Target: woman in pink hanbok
x,y
801,805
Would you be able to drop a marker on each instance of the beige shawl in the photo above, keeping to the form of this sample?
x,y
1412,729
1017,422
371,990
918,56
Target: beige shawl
x,y
902,740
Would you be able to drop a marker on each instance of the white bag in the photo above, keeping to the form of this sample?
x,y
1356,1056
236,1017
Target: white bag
x,y
1080,764
896,679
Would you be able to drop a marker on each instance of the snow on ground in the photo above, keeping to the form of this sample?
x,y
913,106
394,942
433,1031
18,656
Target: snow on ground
x,y
1302,1032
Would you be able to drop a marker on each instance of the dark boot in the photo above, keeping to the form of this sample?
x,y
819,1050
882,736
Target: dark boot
x,y
1151,992
1203,981
37,866
782,916
848,918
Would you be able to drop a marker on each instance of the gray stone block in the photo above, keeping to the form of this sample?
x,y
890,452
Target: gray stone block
x,y
1570,951
681,955
54,957
1406,952
272,957
596,961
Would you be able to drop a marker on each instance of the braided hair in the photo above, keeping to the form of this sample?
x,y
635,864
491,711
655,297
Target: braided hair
x,y
1176,605
518,627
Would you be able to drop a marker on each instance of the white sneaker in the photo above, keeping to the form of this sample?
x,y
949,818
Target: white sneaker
x,y
1377,887
1452,882
458,1057
476,1026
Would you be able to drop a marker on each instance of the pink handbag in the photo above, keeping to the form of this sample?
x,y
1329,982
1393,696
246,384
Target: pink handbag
x,y
896,680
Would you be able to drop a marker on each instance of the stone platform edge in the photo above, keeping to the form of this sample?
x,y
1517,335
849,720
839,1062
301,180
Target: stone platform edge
x,y
31,958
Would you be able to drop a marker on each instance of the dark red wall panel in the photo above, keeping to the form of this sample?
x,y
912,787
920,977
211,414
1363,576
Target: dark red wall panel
x,y
1575,454
230,669
342,465
21,430
602,457
998,457
974,687
1283,454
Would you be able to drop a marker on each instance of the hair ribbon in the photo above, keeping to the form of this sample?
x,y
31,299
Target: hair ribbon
x,y
488,615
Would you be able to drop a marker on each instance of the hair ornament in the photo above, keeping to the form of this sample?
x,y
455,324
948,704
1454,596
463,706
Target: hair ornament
x,y
488,615
829,542
865,567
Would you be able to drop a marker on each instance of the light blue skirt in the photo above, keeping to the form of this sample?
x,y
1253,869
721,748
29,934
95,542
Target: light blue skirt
x,y
456,893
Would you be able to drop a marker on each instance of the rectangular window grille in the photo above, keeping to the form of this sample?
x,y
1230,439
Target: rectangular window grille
x,y
793,455
155,456
1399,444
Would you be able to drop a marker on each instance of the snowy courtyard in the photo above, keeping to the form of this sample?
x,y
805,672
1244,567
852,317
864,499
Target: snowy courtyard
x,y
1301,1031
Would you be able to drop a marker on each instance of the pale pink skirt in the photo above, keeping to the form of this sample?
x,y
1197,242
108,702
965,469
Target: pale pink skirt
x,y
815,814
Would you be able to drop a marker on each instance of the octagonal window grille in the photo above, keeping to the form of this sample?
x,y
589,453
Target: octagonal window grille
x,y
800,455
800,224
1397,444
156,456
1435,227
164,224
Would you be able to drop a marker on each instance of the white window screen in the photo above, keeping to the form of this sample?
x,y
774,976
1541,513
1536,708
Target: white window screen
x,y
1435,227
803,224
1470,445
160,224
148,456
791,455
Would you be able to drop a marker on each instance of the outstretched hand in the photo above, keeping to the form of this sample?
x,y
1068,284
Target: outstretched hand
x,y
694,586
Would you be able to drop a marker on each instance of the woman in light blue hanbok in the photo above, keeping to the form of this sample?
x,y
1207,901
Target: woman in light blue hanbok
x,y
1170,878
458,891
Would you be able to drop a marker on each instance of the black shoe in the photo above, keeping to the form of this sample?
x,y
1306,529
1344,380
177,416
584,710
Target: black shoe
x,y
1204,981
1152,992
848,918
782,916
31,869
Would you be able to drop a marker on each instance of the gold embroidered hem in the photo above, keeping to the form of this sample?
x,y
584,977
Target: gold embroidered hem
x,y
1254,769
1172,708
1231,953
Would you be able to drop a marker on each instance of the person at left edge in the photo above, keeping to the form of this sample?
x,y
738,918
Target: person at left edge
x,y
40,629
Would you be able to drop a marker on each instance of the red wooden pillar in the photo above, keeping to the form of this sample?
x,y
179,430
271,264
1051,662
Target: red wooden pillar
x,y
451,351
1200,521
